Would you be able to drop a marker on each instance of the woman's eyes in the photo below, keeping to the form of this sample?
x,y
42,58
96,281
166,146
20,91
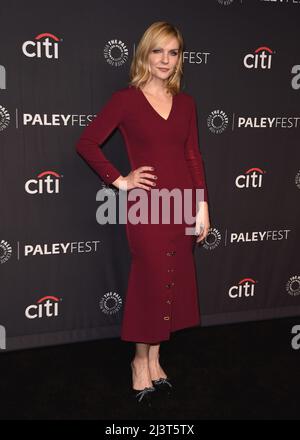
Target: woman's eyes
x,y
158,50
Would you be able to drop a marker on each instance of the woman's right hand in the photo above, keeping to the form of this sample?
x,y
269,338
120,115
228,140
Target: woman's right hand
x,y
138,178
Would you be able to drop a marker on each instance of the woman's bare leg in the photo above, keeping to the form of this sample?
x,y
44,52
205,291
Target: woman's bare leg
x,y
140,368
156,372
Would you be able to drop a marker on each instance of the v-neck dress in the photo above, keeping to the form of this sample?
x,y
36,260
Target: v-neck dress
x,y
162,292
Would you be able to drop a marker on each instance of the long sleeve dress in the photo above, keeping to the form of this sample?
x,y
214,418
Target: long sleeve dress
x,y
162,294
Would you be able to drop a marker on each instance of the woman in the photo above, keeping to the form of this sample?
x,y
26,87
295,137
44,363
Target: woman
x,y
159,126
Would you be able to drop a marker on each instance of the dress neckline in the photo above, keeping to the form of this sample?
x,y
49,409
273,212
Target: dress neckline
x,y
153,109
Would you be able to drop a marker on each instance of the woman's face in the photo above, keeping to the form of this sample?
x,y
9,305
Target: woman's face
x,y
165,55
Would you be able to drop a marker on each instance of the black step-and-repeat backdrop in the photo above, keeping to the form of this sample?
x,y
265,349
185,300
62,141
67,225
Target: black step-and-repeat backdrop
x,y
64,275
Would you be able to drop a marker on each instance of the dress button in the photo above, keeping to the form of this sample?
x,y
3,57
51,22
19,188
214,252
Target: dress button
x,y
107,175
168,301
166,318
168,286
170,270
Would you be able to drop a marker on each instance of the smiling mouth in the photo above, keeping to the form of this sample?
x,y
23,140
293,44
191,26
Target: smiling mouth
x,y
163,68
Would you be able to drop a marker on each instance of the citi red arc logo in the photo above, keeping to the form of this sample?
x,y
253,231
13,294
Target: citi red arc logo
x,y
43,45
261,59
252,178
46,182
254,169
46,307
46,34
244,288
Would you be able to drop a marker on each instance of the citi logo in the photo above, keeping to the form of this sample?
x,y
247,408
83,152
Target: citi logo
x,y
252,178
244,289
46,182
261,59
46,307
43,45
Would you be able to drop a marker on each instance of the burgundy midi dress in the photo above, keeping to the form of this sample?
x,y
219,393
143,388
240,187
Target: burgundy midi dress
x,y
162,294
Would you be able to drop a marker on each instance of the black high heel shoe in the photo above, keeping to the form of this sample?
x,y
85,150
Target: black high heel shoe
x,y
144,395
163,384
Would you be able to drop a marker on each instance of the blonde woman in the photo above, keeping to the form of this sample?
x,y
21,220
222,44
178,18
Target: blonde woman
x,y
159,126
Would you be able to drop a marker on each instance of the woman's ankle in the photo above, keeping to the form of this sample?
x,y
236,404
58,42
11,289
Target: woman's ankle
x,y
139,361
154,361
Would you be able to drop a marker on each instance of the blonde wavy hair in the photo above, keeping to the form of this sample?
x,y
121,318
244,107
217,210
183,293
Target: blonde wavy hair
x,y
139,69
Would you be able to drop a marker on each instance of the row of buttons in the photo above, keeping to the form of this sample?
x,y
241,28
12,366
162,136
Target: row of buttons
x,y
169,285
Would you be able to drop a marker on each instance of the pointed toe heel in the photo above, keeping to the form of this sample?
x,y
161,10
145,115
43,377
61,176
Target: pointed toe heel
x,y
163,384
144,396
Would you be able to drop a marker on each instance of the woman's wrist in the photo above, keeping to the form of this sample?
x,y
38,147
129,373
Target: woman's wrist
x,y
120,182
202,203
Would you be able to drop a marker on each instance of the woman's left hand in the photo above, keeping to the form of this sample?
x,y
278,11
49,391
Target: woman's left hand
x,y
202,222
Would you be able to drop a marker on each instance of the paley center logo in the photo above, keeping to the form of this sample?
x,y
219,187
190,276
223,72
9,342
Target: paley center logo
x,y
260,59
43,45
46,307
252,178
212,240
110,303
244,289
115,52
4,118
5,251
46,182
293,286
217,121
